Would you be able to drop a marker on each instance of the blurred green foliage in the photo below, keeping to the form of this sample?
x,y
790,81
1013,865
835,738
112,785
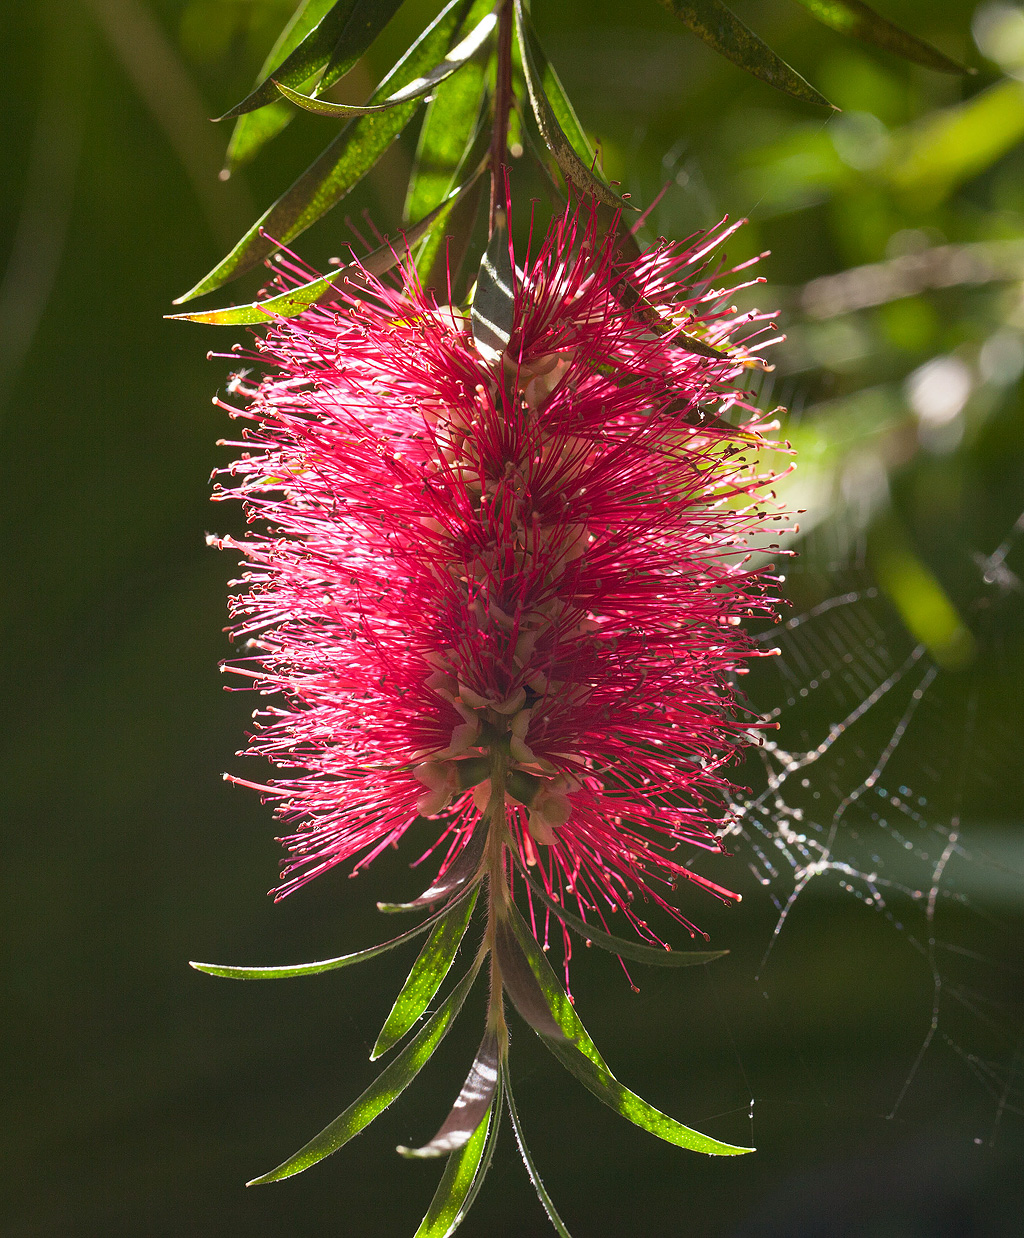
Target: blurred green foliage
x,y
140,1096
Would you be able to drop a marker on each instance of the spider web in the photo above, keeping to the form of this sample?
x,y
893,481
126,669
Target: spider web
x,y
891,780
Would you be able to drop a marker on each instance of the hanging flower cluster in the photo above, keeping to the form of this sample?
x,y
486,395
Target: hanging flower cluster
x,y
515,570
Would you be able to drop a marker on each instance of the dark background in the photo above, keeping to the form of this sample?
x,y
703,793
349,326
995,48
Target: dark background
x,y
139,1095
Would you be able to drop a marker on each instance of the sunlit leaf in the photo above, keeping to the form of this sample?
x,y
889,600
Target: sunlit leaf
x,y
561,1008
349,278
428,972
622,946
471,1106
721,29
531,1169
522,985
314,969
446,135
253,130
554,92
345,161
493,309
385,1088
465,867
416,89
462,1177
854,18
573,167
951,145
634,1108
336,43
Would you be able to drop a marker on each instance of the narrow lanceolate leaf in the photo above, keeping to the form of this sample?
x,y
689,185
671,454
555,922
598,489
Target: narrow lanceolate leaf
x,y
531,1169
634,1108
577,1052
447,133
859,20
314,969
561,1008
350,278
493,309
462,1178
253,130
573,167
471,1106
721,29
387,1086
463,870
345,161
622,946
554,92
416,89
522,985
428,972
339,39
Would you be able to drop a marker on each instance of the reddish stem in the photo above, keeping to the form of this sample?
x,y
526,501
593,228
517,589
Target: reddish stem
x,y
502,107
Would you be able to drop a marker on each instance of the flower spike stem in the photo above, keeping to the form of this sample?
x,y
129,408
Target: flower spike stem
x,y
502,107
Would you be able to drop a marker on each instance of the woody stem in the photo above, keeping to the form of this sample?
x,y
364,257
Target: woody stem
x,y
497,885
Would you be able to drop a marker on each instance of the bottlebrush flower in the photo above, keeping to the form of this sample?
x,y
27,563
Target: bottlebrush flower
x,y
529,567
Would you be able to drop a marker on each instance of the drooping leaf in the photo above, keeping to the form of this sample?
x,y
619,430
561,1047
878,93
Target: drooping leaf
x,y
562,1010
622,946
859,20
462,1178
314,969
721,29
522,985
493,309
345,161
253,130
465,867
335,44
385,1088
573,167
448,129
471,1106
634,1108
554,92
531,1169
348,278
578,1053
427,974
416,89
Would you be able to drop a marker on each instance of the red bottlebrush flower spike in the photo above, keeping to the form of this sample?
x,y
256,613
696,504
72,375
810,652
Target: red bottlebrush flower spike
x,y
542,557
502,568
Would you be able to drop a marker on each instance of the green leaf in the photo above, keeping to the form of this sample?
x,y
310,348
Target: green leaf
x,y
470,1108
314,969
860,21
456,58
493,311
337,41
578,1053
462,1178
522,986
385,1088
531,1169
446,135
622,946
255,129
635,1109
349,278
721,29
554,92
573,167
428,972
343,164
561,1008
466,867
